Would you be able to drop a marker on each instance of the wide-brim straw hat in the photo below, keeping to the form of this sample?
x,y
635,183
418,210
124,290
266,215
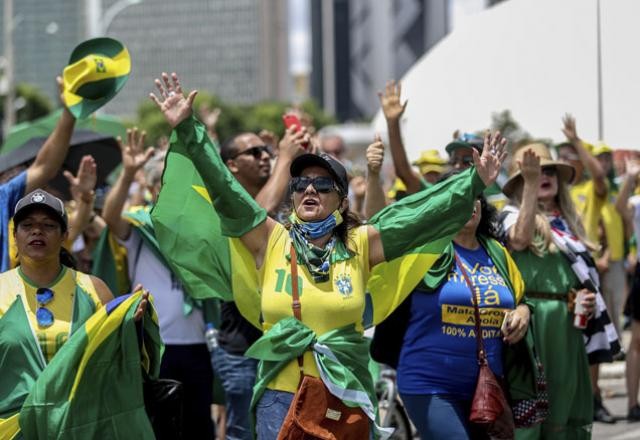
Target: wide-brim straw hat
x,y
564,170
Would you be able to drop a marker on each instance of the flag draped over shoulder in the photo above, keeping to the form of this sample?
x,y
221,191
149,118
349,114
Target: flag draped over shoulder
x,y
415,232
92,388
187,228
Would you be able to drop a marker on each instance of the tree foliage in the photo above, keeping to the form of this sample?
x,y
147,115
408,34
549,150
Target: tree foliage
x,y
233,118
30,103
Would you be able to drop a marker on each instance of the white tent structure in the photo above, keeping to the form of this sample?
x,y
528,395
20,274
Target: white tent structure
x,y
537,58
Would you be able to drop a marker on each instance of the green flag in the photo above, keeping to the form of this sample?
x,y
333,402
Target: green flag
x,y
188,230
92,388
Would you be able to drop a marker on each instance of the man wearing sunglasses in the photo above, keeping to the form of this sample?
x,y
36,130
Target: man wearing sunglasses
x,y
249,160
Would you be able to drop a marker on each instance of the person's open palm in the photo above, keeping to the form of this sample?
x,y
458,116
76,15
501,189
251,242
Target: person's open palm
x,y
530,167
392,107
84,182
172,103
488,163
134,155
569,127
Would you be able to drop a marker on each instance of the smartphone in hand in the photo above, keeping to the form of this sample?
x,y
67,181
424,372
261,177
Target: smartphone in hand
x,y
291,120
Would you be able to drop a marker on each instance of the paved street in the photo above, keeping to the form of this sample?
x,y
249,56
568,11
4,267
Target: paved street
x,y
612,383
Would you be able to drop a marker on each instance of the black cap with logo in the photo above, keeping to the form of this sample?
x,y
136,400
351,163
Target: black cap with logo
x,y
39,198
323,160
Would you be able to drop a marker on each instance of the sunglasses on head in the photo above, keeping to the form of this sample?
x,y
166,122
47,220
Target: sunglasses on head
x,y
44,316
549,171
322,184
256,151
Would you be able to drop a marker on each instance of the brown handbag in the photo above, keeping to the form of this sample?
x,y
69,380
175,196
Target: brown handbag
x,y
315,413
490,410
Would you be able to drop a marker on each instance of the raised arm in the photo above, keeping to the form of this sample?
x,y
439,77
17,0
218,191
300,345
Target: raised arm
x,y
374,200
240,215
435,214
393,110
81,187
52,154
590,162
521,234
134,156
271,195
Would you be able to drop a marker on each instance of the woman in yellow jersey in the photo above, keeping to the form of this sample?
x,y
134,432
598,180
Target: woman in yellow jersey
x,y
338,260
44,295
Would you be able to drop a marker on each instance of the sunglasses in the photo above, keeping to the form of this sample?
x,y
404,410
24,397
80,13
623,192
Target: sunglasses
x,y
322,184
256,152
549,171
44,316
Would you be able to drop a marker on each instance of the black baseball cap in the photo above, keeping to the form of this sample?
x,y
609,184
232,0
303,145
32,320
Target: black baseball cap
x,y
323,160
39,198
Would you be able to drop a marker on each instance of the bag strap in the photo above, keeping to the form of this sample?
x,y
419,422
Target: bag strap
x,y
482,356
295,301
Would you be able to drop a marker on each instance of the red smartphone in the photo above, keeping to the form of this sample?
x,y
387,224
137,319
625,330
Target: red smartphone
x,y
291,120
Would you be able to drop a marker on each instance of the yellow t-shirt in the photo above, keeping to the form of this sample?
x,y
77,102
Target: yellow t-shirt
x,y
325,306
53,337
613,228
588,206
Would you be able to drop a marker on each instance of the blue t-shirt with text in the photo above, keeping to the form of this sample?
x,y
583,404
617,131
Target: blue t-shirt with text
x,y
438,354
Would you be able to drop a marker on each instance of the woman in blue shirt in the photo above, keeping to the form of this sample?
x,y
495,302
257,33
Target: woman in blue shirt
x,y
438,368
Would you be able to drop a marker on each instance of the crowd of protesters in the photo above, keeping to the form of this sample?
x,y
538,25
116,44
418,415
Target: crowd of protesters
x,y
552,271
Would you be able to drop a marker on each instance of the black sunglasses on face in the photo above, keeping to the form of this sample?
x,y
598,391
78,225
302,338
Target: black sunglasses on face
x,y
322,184
256,152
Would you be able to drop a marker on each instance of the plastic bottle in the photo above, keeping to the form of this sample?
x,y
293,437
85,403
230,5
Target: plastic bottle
x,y
211,336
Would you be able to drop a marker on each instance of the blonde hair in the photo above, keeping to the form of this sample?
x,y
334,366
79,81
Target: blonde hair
x,y
542,241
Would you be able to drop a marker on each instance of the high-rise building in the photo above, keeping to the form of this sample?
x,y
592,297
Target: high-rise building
x,y
357,45
44,34
236,49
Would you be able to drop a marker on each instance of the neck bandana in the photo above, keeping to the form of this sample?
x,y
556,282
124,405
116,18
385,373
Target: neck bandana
x,y
317,260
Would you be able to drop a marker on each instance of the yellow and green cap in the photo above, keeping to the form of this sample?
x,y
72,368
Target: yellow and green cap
x,y
97,70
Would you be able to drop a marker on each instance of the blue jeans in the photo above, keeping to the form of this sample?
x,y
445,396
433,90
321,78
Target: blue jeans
x,y
440,416
238,375
270,413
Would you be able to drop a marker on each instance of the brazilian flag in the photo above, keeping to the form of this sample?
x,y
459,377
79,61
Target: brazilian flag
x,y
92,388
190,224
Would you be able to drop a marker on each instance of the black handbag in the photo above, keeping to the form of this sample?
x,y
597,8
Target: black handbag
x,y
163,403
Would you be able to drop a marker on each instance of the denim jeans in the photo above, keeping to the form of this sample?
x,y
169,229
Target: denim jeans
x,y
238,375
440,416
270,413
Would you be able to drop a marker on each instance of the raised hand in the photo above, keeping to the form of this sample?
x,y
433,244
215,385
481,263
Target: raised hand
x,y
530,167
375,155
569,128
134,156
292,143
632,168
172,102
390,101
493,154
83,183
